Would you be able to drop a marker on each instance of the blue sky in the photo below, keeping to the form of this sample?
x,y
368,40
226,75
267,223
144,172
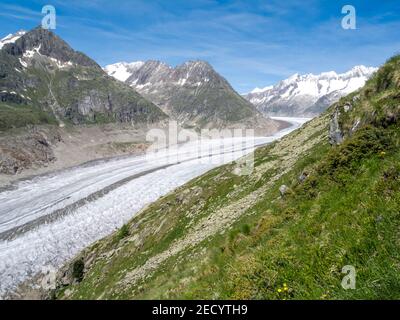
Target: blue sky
x,y
251,43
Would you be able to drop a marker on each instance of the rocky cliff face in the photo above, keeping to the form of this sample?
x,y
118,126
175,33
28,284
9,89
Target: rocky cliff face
x,y
308,95
33,149
42,74
192,93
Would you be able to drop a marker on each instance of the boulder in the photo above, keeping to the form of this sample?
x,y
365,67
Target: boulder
x,y
303,177
347,107
283,190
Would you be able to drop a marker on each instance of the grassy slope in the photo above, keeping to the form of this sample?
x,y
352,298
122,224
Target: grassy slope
x,y
224,236
15,116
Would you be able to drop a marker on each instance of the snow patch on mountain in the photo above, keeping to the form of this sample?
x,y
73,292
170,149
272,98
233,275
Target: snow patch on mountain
x,y
258,90
11,38
123,70
30,53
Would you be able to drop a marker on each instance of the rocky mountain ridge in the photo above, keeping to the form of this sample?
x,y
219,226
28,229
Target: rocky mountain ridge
x,y
40,71
193,93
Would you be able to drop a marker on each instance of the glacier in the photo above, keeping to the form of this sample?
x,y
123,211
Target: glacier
x,y
37,241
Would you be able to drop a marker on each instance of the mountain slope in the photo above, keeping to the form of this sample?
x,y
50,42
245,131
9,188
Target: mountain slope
x,y
308,95
246,237
192,93
43,80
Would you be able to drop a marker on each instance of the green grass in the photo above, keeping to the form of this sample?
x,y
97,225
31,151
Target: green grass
x,y
77,271
123,232
17,116
304,241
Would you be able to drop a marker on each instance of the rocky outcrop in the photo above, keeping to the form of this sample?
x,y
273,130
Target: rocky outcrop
x,y
335,133
303,177
43,149
283,189
26,151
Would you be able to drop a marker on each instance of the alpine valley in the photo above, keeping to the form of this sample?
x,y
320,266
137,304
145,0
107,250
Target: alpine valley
x,y
325,196
322,193
59,108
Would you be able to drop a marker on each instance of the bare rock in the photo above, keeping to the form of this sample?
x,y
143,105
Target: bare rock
x,y
303,177
283,189
197,190
335,132
356,125
347,107
22,152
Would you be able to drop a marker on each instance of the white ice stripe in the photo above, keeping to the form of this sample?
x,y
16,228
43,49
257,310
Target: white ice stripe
x,y
33,200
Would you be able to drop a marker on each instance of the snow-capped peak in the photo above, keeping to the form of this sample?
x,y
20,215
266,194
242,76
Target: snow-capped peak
x,y
123,70
331,79
11,38
300,92
153,75
258,90
295,77
360,71
327,75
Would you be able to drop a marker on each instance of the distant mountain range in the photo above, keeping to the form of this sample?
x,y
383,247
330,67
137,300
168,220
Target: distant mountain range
x,y
192,93
41,73
308,95
52,83
169,88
